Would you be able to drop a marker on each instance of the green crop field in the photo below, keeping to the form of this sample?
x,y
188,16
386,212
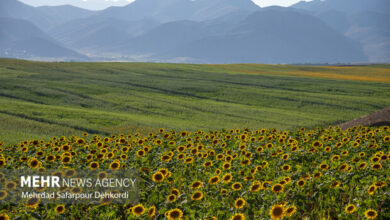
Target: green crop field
x,y
41,100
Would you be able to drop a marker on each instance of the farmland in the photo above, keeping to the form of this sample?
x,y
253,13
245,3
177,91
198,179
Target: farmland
x,y
233,174
41,100
242,141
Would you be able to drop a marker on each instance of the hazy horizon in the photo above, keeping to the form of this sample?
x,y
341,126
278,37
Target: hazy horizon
x,y
103,4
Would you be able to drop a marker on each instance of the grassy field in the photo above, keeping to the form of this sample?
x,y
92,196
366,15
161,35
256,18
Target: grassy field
x,y
40,100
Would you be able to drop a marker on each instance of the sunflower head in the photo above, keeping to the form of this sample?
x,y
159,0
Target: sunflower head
x,y
152,211
138,210
371,214
286,167
4,216
33,163
277,212
106,200
59,209
238,216
372,189
33,202
255,187
290,210
236,186
350,208
301,183
376,166
214,180
3,194
171,198
158,177
197,195
196,185
277,188
239,203
335,184
115,165
10,185
175,192
174,214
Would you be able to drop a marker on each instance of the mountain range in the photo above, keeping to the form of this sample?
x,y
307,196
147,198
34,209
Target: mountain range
x,y
200,31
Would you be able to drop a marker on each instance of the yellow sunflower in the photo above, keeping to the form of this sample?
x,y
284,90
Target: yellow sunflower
x,y
158,177
59,209
115,165
214,180
94,165
277,188
138,210
290,210
152,211
174,214
33,163
238,216
236,186
301,183
255,187
4,216
350,208
172,198
376,166
277,212
33,202
239,203
3,194
196,185
227,178
197,195
372,189
371,214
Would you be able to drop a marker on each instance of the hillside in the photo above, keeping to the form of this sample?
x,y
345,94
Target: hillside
x,y
273,35
20,38
174,10
40,99
364,21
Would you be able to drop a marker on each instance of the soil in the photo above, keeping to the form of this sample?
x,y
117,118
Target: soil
x,y
375,119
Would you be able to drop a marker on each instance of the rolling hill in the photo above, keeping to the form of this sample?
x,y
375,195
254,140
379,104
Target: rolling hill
x,y
42,100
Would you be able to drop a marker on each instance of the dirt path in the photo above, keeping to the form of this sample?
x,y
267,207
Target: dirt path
x,y
376,119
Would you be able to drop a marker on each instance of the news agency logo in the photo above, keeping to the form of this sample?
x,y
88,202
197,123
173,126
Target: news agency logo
x,y
56,181
40,181
70,186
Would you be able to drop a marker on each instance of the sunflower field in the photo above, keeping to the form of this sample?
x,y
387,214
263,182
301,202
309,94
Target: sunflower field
x,y
324,173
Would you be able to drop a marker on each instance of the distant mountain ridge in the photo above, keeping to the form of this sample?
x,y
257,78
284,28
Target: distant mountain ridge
x,y
364,21
173,10
347,6
44,17
208,31
21,39
275,35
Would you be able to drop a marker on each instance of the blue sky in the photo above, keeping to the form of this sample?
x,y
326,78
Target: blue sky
x,y
101,4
